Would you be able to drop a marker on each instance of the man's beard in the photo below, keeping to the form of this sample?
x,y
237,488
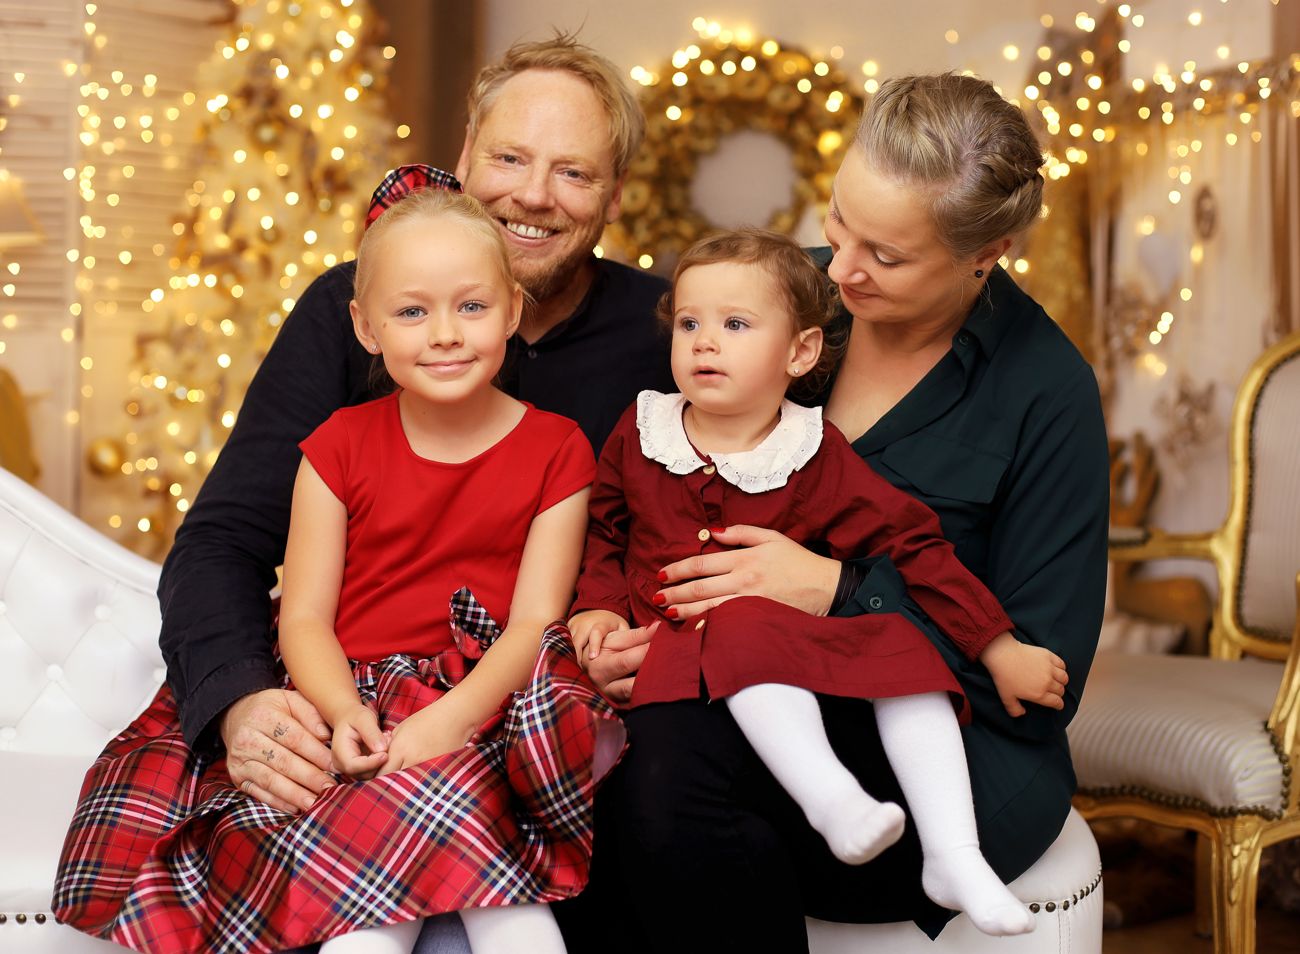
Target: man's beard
x,y
545,280
548,280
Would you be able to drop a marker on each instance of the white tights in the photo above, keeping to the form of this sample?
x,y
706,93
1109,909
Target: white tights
x,y
492,930
923,742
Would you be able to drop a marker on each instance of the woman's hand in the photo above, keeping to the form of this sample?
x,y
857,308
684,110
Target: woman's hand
x,y
360,748
767,564
434,730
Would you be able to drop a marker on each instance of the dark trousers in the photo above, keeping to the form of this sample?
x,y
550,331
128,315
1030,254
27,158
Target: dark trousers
x,y
710,854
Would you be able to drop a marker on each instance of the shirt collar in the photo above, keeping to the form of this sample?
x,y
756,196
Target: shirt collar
x,y
790,446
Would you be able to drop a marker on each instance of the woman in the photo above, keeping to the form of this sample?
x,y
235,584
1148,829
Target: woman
x,y
961,391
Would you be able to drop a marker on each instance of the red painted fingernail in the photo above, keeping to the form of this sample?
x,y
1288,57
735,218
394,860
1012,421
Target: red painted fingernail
x,y
717,529
663,577
671,612
659,599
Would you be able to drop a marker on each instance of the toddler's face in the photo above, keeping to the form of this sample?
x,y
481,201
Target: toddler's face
x,y
734,340
438,308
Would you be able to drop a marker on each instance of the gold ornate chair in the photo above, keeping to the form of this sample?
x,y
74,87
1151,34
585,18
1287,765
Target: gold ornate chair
x,y
1210,744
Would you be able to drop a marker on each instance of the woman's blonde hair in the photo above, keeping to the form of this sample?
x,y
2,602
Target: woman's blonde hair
x,y
967,148
565,54
428,204
809,297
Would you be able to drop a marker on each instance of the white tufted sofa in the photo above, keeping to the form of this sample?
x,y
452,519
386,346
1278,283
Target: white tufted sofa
x,y
79,659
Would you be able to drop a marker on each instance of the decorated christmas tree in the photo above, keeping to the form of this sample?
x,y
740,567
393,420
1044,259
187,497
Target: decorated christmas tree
x,y
294,138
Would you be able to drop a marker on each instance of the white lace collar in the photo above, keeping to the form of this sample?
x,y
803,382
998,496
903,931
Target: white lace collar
x,y
791,444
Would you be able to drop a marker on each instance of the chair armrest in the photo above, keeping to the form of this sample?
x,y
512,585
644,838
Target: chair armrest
x,y
1284,720
1129,547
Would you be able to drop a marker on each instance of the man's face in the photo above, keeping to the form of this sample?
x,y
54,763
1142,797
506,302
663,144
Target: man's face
x,y
542,163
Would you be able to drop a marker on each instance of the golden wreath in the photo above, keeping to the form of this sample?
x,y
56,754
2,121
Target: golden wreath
x,y
700,96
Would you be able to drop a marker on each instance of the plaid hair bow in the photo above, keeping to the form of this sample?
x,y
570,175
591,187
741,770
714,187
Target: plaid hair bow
x,y
404,180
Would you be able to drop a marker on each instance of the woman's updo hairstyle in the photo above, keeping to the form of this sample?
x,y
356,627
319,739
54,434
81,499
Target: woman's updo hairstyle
x,y
965,146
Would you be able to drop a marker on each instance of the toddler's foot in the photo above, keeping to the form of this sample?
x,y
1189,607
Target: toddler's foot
x,y
962,880
856,826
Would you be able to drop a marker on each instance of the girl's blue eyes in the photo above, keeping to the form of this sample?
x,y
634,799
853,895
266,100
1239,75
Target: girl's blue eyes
x,y
416,311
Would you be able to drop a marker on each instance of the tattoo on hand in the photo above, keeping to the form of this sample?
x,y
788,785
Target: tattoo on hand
x,y
280,730
270,755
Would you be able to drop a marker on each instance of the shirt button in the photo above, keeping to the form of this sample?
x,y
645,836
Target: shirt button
x,y
963,338
875,602
703,535
710,470
532,352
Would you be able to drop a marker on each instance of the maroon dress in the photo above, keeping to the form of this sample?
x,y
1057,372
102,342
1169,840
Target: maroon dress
x,y
653,503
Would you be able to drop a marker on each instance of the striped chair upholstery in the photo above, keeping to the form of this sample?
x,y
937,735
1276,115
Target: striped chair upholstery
x,y
1211,744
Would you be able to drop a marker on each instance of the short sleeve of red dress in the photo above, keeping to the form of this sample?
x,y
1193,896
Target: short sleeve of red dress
x,y
418,530
572,468
327,450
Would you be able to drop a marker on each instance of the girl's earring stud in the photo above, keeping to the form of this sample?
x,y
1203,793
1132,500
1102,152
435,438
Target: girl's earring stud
x,y
979,273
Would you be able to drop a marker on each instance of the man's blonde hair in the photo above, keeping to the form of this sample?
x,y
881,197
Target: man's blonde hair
x,y
563,53
967,148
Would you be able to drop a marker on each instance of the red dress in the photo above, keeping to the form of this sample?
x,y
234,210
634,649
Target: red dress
x,y
806,482
164,854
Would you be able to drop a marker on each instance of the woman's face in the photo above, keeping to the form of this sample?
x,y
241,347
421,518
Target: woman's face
x,y
889,264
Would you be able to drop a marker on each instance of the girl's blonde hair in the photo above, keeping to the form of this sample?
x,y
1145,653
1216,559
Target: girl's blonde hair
x,y
810,298
428,204
433,204
969,150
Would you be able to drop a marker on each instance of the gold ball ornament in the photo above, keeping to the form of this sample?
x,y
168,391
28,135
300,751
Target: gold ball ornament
x,y
105,456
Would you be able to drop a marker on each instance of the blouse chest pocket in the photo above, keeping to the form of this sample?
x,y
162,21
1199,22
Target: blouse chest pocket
x,y
959,482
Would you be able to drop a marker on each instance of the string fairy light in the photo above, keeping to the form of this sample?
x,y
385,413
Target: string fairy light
x,y
292,133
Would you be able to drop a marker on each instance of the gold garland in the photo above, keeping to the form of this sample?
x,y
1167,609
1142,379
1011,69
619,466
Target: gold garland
x,y
704,93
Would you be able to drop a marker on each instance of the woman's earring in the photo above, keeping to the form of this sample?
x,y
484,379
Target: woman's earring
x,y
796,371
979,273
374,349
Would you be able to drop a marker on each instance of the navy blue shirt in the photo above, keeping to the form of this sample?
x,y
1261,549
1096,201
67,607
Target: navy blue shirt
x,y
216,612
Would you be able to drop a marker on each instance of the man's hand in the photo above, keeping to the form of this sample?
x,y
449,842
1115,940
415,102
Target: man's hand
x,y
621,655
359,747
1021,671
589,629
275,748
764,563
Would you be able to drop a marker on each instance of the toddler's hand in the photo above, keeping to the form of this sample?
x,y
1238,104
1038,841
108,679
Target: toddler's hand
x,y
589,630
359,748
425,735
1024,672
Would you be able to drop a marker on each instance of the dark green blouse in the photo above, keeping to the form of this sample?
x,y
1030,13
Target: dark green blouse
x,y
1004,440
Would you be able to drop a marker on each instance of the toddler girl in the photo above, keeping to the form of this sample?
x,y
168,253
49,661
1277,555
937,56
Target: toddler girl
x,y
747,312
418,519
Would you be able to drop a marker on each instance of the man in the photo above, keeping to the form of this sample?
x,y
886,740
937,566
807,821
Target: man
x,y
552,176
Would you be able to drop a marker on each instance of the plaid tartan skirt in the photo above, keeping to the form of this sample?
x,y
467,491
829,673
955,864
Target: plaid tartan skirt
x,y
164,854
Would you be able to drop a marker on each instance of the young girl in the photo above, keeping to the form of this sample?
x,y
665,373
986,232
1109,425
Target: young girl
x,y
747,311
418,519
